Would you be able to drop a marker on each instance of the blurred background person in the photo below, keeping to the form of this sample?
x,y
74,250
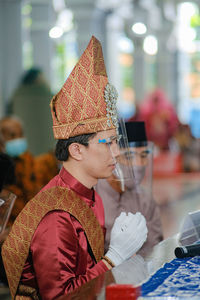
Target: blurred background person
x,y
30,102
31,172
189,148
160,118
137,195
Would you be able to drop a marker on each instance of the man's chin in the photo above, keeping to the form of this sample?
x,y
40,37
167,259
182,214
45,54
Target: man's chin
x,y
106,175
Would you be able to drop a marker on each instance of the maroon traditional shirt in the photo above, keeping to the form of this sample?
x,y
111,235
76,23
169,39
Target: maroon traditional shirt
x,y
60,258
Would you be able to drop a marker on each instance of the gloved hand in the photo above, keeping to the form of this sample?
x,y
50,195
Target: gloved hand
x,y
128,234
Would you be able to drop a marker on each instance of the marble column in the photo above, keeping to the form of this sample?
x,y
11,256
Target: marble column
x,y
10,50
167,66
139,77
43,19
114,31
85,23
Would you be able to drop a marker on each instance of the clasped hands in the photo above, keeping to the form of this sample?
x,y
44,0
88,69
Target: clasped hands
x,y
128,234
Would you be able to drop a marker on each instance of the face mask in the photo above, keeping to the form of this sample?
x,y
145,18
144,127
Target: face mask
x,y
16,147
126,179
139,172
119,174
130,184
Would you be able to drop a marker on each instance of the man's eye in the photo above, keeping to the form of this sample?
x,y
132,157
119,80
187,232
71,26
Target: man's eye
x,y
115,141
143,155
111,141
129,155
12,135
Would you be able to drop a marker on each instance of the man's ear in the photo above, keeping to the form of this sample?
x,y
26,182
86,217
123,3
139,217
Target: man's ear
x,y
75,151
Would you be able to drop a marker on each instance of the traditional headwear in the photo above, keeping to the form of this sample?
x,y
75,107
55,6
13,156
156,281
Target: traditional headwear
x,y
136,133
87,102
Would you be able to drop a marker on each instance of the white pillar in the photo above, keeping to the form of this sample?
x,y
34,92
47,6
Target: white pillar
x,y
139,75
83,14
10,49
114,31
166,67
42,15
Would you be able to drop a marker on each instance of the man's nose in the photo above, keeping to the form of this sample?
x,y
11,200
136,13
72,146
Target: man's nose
x,y
115,150
138,161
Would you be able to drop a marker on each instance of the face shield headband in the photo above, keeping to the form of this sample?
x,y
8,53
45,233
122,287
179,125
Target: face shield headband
x,y
123,169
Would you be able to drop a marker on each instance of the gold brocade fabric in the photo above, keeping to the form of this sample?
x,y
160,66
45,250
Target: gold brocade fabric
x,y
16,247
80,106
27,293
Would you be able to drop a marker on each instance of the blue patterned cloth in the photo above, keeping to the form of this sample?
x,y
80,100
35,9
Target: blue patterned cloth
x,y
179,278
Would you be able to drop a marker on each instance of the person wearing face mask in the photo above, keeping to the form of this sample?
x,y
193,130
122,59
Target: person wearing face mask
x,y
11,131
133,195
31,172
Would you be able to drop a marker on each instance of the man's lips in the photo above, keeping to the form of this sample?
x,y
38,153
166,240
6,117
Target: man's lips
x,y
112,166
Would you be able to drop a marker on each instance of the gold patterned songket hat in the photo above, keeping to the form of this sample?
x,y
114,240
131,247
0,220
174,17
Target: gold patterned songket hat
x,y
87,102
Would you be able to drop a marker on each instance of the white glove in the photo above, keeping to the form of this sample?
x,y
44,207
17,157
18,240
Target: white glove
x,y
128,234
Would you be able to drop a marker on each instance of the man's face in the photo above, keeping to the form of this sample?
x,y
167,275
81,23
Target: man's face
x,y
99,156
11,129
135,156
139,156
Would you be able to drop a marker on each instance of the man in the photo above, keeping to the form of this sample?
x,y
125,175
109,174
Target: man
x,y
57,241
137,195
25,186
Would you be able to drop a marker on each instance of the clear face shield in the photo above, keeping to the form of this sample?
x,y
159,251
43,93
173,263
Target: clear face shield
x,y
123,171
7,200
141,156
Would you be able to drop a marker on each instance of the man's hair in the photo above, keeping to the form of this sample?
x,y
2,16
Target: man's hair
x,y
10,118
62,146
31,75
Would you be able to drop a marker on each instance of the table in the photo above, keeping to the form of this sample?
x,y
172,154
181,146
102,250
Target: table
x,y
135,271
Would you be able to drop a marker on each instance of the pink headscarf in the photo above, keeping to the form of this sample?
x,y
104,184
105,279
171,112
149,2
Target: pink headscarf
x,y
160,117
